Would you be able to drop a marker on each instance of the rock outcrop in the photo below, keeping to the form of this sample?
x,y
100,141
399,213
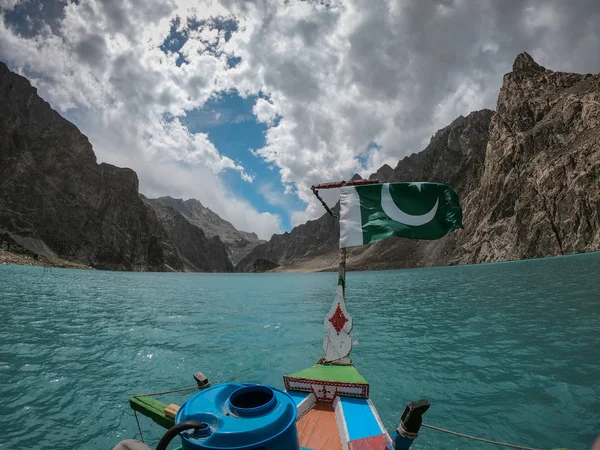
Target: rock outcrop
x,y
539,194
196,251
57,203
261,265
238,243
528,176
304,241
455,155
53,190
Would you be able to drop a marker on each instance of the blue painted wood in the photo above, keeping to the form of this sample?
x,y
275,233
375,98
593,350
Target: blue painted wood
x,y
360,420
401,443
298,396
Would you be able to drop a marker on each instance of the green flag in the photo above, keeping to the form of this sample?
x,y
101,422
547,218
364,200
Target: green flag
x,y
374,212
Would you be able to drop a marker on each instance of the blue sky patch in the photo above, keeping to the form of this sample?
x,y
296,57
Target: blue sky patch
x,y
178,36
232,127
363,157
28,18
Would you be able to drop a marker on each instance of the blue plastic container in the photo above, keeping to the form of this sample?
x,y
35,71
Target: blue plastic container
x,y
240,416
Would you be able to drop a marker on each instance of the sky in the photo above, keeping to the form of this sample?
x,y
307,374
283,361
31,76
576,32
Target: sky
x,y
244,104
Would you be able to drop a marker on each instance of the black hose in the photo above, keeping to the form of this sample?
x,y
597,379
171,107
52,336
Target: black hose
x,y
174,431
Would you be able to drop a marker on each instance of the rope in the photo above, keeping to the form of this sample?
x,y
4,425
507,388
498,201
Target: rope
x,y
156,394
329,211
139,427
454,433
167,392
404,433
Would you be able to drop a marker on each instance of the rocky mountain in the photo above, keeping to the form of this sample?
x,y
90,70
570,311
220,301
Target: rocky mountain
x,y
238,243
196,251
304,241
385,172
455,155
539,194
54,192
527,176
58,203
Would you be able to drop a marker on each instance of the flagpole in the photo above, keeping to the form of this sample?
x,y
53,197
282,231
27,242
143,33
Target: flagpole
x,y
337,344
342,271
338,184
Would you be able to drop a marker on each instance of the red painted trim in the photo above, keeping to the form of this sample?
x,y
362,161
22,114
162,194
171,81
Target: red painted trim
x,y
378,442
337,184
363,387
338,320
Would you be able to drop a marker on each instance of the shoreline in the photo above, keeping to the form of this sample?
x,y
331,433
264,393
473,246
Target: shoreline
x,y
16,259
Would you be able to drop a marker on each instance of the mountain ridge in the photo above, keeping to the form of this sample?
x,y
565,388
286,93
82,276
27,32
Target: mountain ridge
x,y
527,175
58,204
197,251
238,243
83,211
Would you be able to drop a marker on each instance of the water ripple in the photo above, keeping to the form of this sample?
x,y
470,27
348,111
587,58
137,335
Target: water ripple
x,y
506,351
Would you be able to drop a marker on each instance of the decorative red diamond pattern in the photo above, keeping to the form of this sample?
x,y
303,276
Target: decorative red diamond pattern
x,y
338,320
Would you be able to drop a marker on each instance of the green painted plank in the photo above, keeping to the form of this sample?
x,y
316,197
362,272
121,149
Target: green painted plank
x,y
344,374
152,408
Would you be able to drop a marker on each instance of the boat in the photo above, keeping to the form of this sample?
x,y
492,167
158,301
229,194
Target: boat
x,y
326,406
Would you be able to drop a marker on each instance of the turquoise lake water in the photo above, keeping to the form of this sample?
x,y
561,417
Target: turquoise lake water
x,y
507,351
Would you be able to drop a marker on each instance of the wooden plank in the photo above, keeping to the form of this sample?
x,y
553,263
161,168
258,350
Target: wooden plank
x,y
153,409
317,429
171,410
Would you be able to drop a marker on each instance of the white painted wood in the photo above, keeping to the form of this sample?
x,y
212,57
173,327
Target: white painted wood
x,y
305,406
337,344
340,420
352,391
324,392
379,422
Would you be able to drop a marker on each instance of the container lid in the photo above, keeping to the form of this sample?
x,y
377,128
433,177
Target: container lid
x,y
238,415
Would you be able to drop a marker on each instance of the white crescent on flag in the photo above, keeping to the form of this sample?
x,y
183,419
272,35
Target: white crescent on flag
x,y
395,213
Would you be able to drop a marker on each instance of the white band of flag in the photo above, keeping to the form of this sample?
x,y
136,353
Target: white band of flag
x,y
350,220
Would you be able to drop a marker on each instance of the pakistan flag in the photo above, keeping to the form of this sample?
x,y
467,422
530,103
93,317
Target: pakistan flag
x,y
374,212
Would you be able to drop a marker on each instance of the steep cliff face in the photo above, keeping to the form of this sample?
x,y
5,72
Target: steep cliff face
x,y
196,251
540,191
53,190
313,238
173,262
455,155
385,172
528,177
238,243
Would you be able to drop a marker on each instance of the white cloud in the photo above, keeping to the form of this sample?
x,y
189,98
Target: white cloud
x,y
170,179
163,176
124,88
277,198
264,111
339,76
542,16
9,5
347,74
